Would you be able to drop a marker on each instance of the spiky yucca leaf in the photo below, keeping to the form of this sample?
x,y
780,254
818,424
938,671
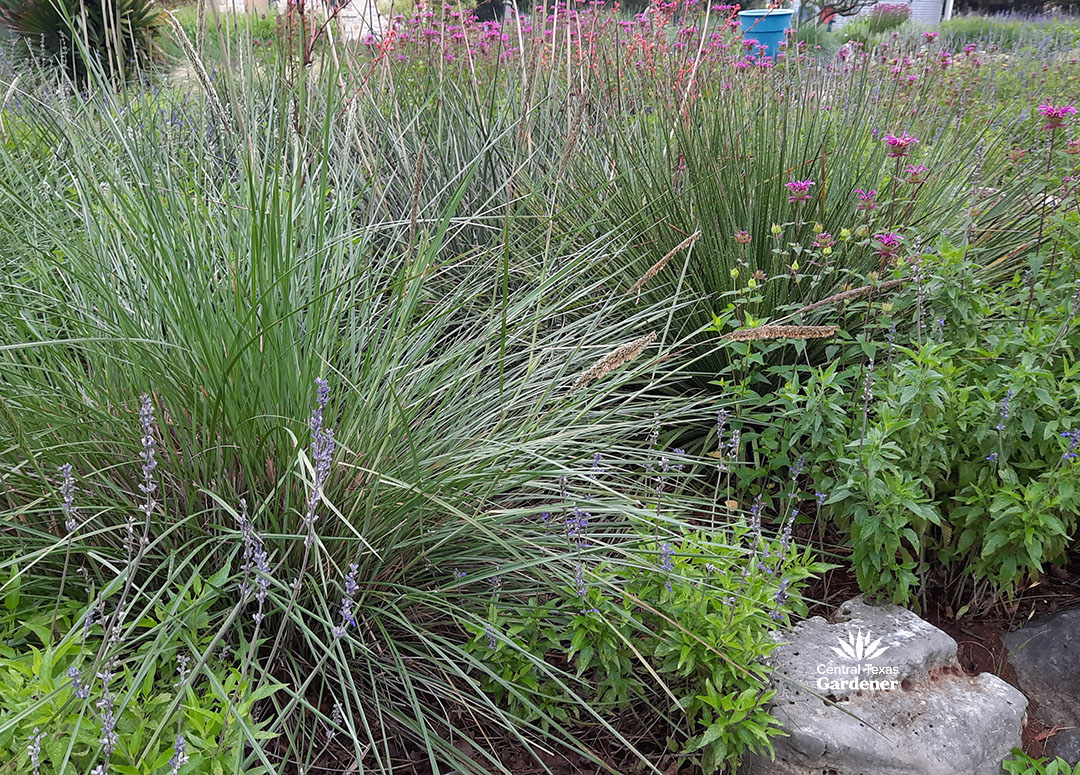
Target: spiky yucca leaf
x,y
113,35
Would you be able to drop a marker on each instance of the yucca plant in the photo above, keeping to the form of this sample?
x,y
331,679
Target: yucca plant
x,y
79,35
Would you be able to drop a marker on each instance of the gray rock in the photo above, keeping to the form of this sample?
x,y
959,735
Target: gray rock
x,y
1046,657
908,710
1065,744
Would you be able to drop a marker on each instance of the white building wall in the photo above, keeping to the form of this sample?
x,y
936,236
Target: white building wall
x,y
926,11
922,12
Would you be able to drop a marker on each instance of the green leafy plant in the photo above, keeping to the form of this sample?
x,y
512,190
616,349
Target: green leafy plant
x,y
1022,764
879,427
57,684
692,611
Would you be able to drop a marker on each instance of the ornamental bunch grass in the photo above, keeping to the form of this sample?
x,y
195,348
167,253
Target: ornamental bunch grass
x,y
769,171
248,270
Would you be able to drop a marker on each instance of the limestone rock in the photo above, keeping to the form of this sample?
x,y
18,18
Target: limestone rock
x,y
879,691
1046,657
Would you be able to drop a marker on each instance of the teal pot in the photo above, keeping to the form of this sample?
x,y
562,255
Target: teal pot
x,y
768,26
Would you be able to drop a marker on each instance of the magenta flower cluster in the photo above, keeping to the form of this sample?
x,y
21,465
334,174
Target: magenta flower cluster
x,y
867,199
888,244
1055,116
916,173
899,145
799,190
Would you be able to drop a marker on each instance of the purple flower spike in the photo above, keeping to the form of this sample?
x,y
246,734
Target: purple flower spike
x,y
67,494
1004,410
348,602
256,561
1074,443
322,455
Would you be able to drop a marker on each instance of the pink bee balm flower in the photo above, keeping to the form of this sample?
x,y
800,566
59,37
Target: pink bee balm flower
x,y
800,190
1055,116
899,145
930,35
916,173
742,236
866,199
888,243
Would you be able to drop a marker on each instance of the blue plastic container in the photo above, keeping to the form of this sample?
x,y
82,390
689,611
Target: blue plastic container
x,y
768,26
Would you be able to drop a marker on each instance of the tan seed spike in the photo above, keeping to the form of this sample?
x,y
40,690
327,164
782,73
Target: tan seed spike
x,y
620,356
854,293
780,332
655,268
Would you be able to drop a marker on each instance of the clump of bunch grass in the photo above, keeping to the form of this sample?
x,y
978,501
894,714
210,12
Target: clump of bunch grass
x,y
220,273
